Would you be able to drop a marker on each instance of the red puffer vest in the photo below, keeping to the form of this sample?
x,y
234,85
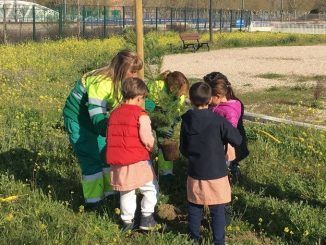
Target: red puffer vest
x,y
124,146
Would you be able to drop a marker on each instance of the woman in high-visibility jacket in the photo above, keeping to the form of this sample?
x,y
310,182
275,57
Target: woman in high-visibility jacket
x,y
173,86
85,117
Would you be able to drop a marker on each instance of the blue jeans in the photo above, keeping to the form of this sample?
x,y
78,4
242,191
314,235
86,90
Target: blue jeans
x,y
195,215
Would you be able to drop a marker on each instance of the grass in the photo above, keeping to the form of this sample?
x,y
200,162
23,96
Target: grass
x,y
296,103
271,76
294,77
280,200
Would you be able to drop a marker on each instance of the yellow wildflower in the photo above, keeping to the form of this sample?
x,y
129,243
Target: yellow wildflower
x,y
286,229
306,233
229,228
42,226
9,217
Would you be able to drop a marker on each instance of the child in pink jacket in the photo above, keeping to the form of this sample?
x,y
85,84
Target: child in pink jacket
x,y
227,105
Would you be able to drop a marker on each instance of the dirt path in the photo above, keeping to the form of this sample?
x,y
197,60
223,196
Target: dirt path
x,y
243,65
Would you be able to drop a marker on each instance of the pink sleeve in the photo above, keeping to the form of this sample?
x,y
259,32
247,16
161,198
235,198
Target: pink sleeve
x,y
145,132
232,117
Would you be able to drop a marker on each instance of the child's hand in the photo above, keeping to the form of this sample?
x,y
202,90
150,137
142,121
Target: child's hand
x,y
230,153
149,147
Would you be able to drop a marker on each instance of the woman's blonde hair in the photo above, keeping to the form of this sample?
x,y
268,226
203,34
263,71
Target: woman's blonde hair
x,y
176,82
123,62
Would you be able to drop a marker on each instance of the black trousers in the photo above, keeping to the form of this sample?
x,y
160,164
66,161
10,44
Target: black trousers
x,y
195,216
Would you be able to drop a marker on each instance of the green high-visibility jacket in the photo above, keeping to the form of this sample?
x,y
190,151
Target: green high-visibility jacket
x,y
158,91
90,102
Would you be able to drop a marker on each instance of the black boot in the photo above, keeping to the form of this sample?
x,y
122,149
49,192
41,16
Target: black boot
x,y
235,172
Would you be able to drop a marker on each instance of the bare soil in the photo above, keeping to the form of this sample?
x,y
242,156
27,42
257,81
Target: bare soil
x,y
243,65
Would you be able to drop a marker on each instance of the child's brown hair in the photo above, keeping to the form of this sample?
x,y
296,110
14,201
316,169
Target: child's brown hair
x,y
220,85
200,94
133,87
176,82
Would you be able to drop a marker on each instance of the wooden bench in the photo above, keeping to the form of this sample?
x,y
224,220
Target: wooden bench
x,y
192,40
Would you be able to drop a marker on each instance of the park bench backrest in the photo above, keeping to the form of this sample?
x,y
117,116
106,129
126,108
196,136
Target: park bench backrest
x,y
189,36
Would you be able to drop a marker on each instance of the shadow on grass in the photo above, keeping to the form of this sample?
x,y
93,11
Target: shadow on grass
x,y
174,193
275,191
250,212
38,171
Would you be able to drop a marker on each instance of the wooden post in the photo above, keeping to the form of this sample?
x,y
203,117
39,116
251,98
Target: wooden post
x,y
140,33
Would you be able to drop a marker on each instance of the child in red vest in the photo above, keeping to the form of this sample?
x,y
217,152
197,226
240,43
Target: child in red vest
x,y
129,143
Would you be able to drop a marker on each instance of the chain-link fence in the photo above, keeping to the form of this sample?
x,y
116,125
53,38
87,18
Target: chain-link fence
x,y
289,22
36,22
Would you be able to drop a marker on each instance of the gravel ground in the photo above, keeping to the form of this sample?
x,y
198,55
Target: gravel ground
x,y
242,65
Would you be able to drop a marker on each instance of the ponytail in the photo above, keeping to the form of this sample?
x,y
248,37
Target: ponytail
x,y
230,94
220,85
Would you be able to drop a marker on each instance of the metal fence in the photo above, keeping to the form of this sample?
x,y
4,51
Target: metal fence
x,y
37,23
289,22
20,24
